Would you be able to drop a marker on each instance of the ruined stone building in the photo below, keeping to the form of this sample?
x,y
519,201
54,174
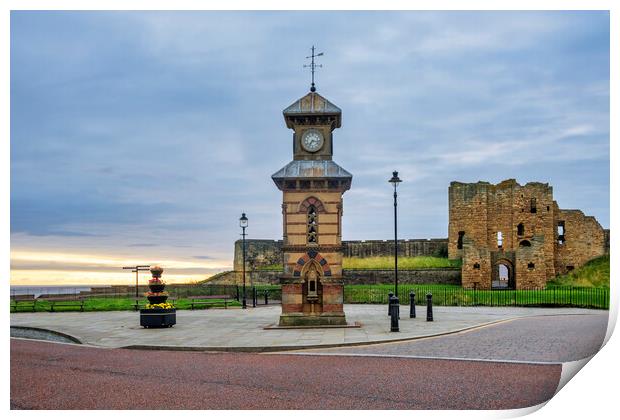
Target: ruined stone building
x,y
513,236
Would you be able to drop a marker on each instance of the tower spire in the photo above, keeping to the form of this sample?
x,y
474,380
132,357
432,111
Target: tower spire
x,y
313,66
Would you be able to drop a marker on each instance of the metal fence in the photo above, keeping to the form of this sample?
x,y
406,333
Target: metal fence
x,y
443,295
585,297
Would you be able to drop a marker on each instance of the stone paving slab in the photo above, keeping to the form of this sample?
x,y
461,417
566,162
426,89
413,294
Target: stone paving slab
x,y
243,330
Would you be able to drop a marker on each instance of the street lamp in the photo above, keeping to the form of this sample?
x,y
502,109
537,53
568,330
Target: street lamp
x,y
395,180
243,222
136,269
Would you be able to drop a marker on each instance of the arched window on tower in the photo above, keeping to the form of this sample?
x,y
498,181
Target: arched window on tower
x,y
312,225
520,229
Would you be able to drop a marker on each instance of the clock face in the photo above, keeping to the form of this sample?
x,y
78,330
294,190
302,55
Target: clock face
x,y
312,140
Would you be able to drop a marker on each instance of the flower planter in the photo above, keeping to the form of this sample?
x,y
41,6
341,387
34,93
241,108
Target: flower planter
x,y
157,287
158,318
154,299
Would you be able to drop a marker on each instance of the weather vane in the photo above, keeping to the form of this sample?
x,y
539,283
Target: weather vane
x,y
313,66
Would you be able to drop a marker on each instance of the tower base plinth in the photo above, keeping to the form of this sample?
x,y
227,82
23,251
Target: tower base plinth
x,y
302,320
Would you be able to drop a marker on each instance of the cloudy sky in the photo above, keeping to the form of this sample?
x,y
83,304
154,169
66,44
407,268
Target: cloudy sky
x,y
140,137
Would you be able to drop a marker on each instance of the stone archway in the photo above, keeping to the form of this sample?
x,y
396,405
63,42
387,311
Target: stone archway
x,y
503,275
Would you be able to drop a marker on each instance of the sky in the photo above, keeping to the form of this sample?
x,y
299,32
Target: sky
x,y
140,137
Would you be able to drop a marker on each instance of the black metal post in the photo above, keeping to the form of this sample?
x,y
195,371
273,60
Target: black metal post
x,y
411,304
266,297
429,306
394,304
253,296
390,296
395,245
244,304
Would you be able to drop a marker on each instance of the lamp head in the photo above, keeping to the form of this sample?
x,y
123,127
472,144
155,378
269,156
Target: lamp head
x,y
395,180
243,221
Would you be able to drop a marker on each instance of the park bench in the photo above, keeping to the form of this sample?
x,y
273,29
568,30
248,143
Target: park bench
x,y
66,301
24,302
210,300
139,302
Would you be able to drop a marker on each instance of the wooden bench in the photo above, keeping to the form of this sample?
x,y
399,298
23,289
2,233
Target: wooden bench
x,y
66,301
208,300
137,304
24,302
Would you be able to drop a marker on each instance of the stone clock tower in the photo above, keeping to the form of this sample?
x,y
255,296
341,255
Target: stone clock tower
x,y
312,185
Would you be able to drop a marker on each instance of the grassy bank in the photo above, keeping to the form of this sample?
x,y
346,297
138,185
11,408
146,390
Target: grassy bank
x,y
385,263
595,273
404,263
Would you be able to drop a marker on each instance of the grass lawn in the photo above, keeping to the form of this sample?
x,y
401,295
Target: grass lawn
x,y
117,304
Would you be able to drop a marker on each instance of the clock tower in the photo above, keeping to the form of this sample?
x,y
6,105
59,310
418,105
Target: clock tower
x,y
312,185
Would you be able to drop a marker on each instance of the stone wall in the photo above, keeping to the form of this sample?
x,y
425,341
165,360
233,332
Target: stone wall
x,y
406,248
584,240
264,252
441,276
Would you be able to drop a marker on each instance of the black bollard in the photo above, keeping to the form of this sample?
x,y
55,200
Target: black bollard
x,y
394,305
411,304
266,297
254,299
390,295
429,306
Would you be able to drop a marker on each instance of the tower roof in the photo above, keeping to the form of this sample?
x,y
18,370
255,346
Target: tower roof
x,y
312,104
313,169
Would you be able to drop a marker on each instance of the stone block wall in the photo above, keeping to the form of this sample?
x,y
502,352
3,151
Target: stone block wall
x,y
264,252
584,239
440,276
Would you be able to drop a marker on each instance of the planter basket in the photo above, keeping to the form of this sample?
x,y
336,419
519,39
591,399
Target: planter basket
x,y
158,318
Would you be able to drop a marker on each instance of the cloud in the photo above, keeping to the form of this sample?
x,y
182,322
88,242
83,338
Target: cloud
x,y
148,133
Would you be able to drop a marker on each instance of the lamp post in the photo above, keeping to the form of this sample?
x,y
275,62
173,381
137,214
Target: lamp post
x,y
136,269
243,222
395,180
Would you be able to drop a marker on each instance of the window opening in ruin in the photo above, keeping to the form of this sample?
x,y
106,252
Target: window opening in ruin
x,y
459,244
570,267
500,240
561,232
525,242
503,277
547,208
533,205
476,266
530,265
312,225
520,229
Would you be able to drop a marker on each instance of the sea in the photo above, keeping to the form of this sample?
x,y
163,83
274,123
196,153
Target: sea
x,y
49,290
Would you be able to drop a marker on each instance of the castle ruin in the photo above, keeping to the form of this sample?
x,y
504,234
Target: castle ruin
x,y
513,236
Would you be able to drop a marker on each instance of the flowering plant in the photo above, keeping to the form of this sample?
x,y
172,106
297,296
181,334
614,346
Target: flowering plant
x,y
157,293
159,306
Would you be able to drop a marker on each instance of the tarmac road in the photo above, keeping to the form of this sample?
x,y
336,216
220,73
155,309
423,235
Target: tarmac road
x,y
62,376
554,338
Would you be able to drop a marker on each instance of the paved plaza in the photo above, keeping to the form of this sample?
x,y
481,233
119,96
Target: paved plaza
x,y
244,330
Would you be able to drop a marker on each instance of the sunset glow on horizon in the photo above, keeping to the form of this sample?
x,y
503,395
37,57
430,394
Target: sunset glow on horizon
x,y
57,268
